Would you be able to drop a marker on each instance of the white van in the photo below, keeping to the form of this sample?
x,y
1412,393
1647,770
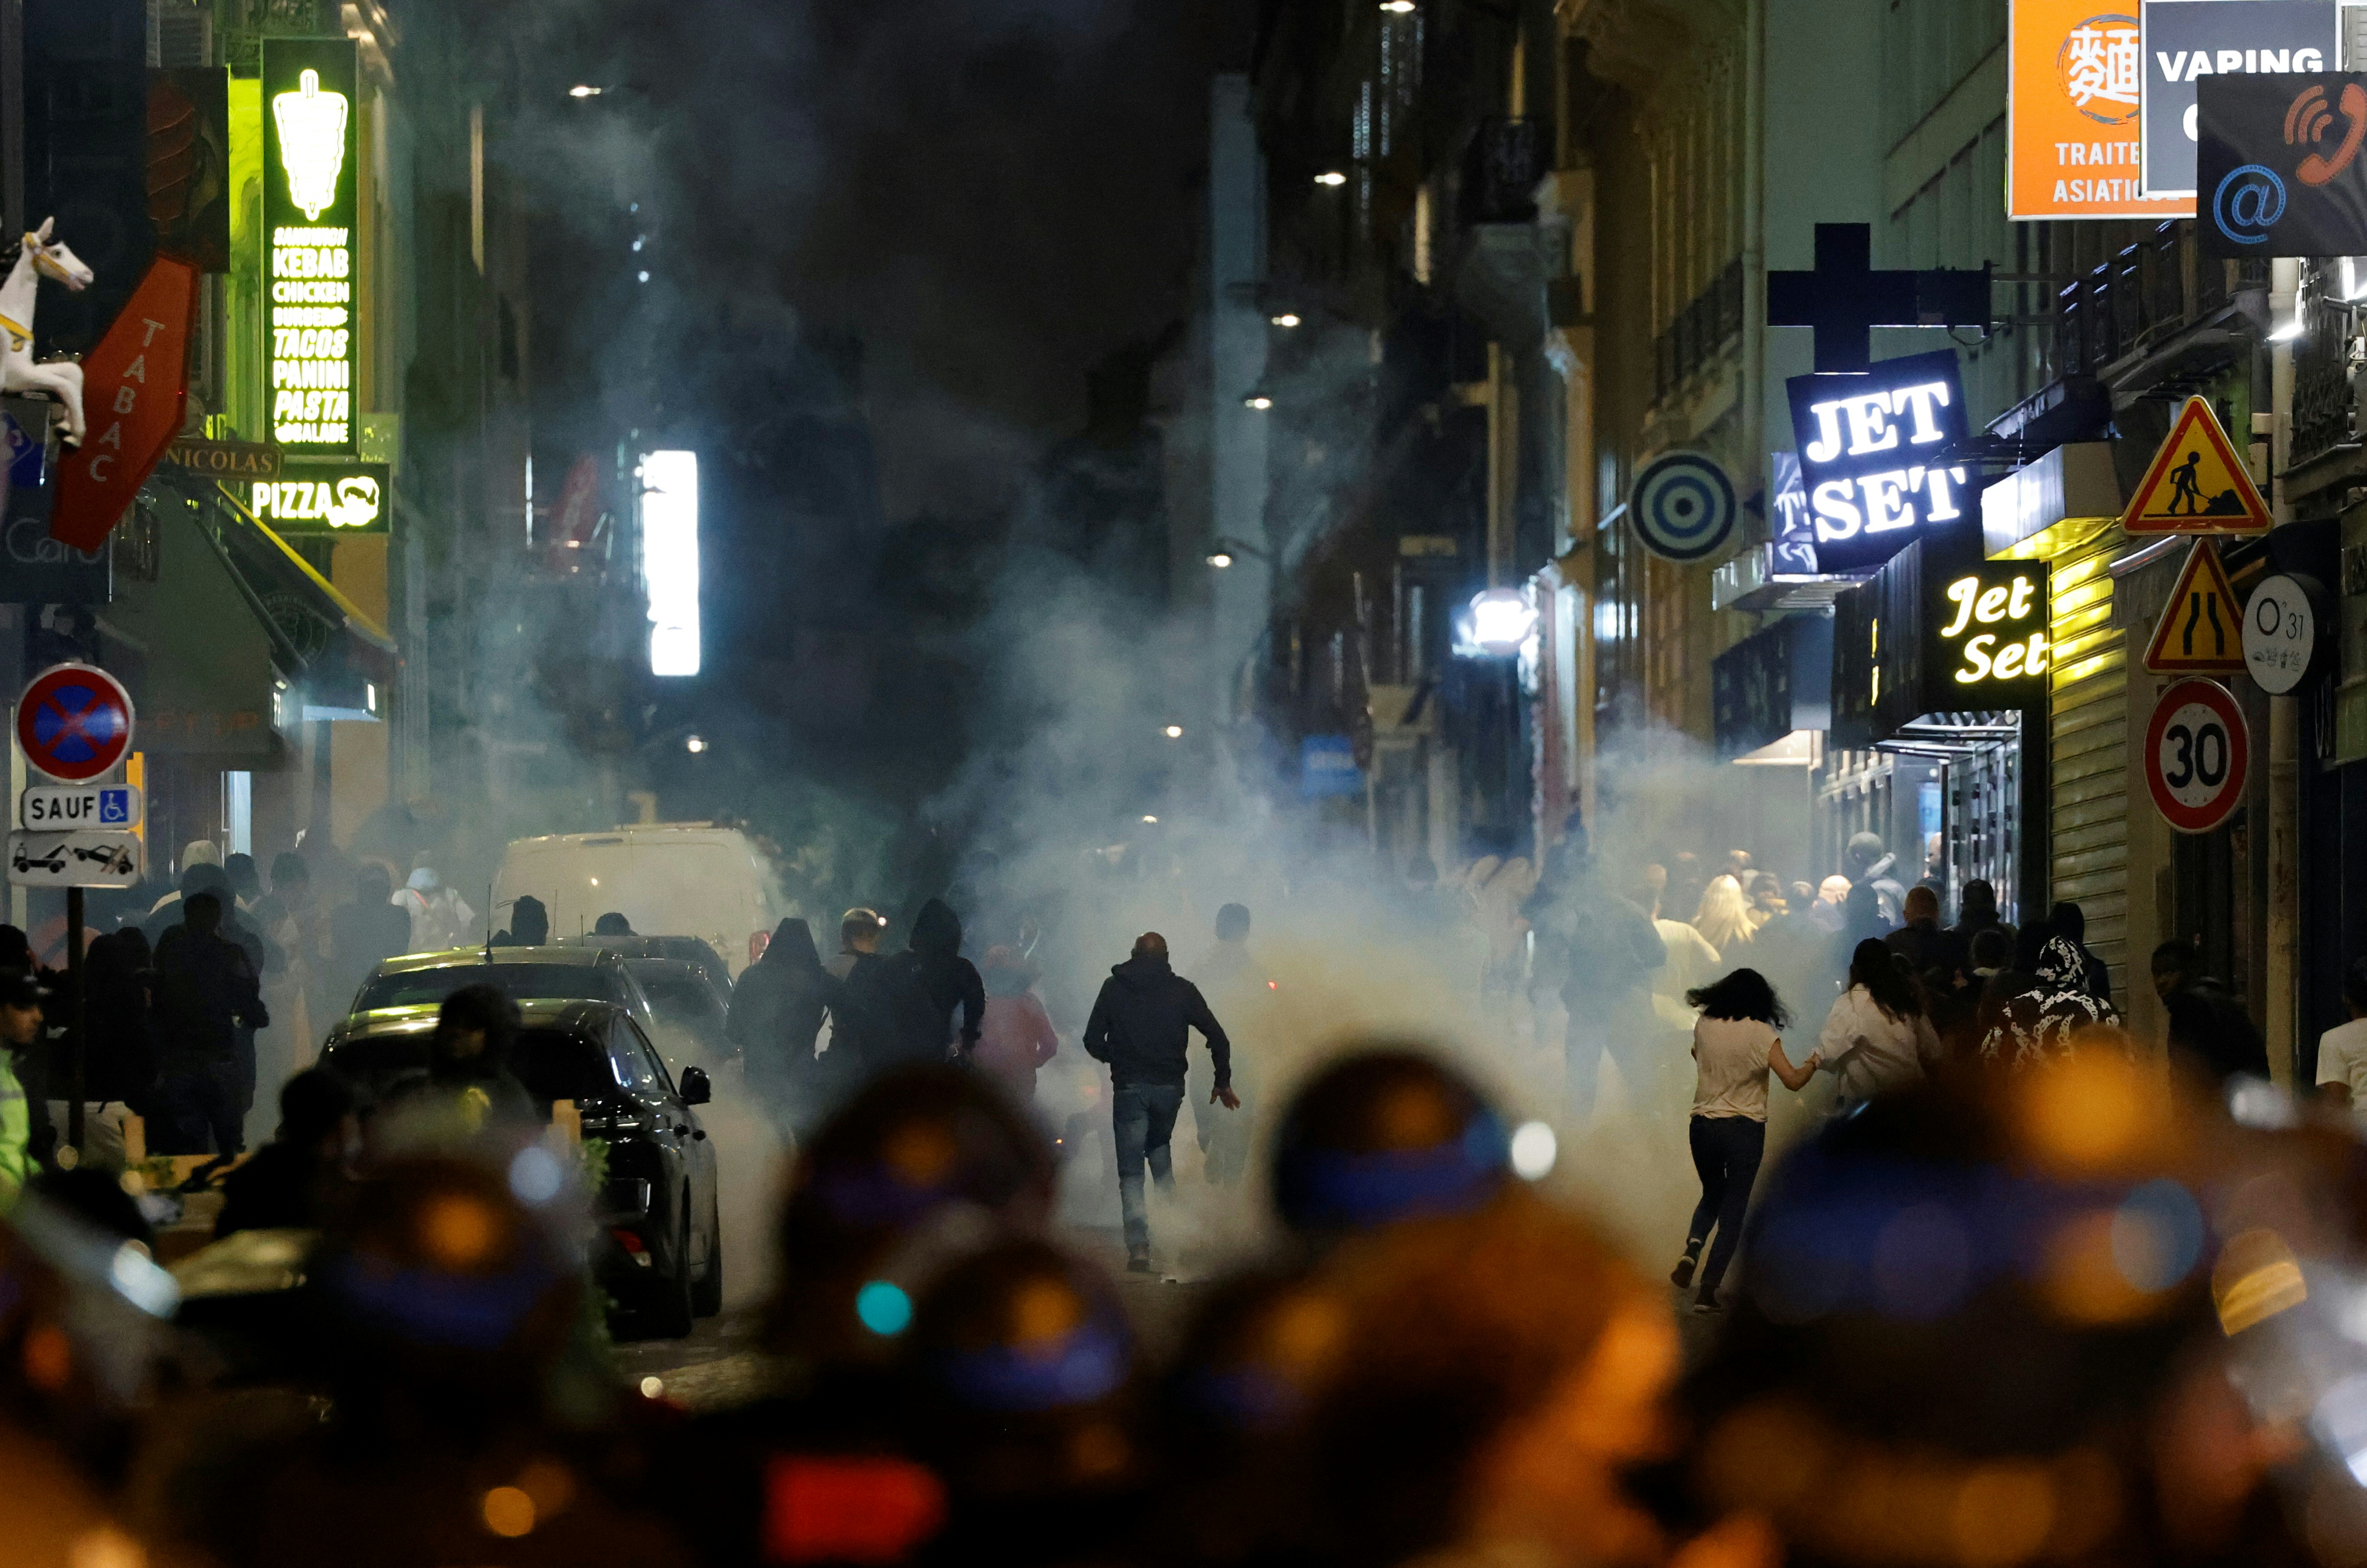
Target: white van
x,y
667,878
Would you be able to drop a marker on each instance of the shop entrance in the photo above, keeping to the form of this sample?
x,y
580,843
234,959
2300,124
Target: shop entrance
x,y
1966,772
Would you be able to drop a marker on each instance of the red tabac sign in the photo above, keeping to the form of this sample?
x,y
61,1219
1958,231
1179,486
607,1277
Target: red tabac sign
x,y
133,386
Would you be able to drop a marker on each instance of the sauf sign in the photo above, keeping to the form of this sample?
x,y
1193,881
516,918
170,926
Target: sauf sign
x,y
1873,456
1992,634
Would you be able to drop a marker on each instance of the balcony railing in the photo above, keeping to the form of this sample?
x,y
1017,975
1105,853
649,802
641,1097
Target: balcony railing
x,y
2323,365
2148,293
1710,321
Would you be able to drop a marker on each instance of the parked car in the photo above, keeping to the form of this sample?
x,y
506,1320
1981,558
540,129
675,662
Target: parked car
x,y
691,877
638,949
693,1003
415,984
659,1252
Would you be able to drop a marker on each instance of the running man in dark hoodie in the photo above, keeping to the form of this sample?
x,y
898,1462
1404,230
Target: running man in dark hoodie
x,y
903,1006
1139,1026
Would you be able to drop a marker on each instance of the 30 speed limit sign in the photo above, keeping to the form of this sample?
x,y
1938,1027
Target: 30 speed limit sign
x,y
2197,755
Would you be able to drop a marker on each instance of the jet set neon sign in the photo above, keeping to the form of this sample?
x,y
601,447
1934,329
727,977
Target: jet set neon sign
x,y
1871,449
1995,614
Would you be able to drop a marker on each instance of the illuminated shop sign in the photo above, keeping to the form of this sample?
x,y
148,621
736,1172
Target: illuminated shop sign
x,y
1869,456
312,157
670,559
2191,40
1939,631
1988,630
327,498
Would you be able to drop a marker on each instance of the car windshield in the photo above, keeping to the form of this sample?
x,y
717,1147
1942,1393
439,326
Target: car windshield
x,y
519,982
683,999
553,1064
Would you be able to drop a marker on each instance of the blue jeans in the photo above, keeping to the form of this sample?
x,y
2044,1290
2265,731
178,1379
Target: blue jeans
x,y
1143,1119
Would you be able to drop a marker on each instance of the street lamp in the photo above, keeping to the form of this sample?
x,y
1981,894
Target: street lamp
x,y
1153,820
1287,318
1257,401
1228,550
1174,732
1398,7
695,744
1330,177
1220,559
1501,621
586,89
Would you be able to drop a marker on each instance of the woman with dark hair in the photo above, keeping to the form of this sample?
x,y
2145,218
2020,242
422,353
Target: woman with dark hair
x,y
1738,1040
1879,1035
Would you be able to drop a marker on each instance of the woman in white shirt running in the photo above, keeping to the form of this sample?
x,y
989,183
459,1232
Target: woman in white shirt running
x,y
1738,1040
1878,1036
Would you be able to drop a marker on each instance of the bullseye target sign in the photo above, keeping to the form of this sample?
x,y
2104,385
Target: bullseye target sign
x,y
1682,506
74,722
2198,755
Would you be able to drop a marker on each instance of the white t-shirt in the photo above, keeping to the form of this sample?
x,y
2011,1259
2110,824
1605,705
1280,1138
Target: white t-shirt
x,y
1897,1051
2342,1058
1731,1057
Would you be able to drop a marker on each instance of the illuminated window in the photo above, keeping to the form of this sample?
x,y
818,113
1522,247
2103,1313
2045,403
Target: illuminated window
x,y
670,559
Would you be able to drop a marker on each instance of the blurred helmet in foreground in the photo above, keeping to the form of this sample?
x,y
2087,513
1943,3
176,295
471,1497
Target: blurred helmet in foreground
x,y
1384,1136
453,1284
1981,1329
1021,1377
924,1164
1487,1382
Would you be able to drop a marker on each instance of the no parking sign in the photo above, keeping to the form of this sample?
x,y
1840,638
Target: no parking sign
x,y
74,722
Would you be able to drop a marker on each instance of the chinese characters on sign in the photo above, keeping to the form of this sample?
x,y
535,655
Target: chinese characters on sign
x,y
313,340
2074,82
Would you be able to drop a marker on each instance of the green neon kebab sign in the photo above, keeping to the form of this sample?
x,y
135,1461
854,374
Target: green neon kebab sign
x,y
312,149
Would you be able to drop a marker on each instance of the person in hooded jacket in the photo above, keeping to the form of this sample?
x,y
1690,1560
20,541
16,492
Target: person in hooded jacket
x,y
904,1005
2038,1025
468,1088
1140,1025
529,924
776,1013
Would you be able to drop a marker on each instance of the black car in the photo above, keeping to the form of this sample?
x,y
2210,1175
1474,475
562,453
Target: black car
x,y
415,984
660,1254
692,1010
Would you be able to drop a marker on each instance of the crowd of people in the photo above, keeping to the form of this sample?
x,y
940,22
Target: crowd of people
x,y
2073,1314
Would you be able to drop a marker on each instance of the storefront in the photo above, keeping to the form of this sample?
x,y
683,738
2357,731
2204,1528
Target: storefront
x,y
1940,667
2063,510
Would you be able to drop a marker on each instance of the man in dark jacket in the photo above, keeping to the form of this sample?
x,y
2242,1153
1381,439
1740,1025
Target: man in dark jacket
x,y
2209,1027
1140,1026
206,990
903,1007
1921,940
2070,922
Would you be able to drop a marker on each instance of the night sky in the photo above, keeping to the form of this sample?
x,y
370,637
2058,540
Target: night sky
x,y
992,196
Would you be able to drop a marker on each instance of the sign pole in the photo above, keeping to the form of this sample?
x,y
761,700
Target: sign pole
x,y
79,1018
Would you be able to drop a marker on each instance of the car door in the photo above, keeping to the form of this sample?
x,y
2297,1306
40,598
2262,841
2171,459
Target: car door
x,y
688,1139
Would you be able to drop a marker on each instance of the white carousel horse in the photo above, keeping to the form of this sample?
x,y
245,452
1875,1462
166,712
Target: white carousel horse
x,y
37,258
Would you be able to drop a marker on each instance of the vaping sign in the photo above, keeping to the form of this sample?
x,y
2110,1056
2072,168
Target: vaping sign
x,y
311,170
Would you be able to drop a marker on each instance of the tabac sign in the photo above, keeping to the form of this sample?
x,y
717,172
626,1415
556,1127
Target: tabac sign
x,y
311,170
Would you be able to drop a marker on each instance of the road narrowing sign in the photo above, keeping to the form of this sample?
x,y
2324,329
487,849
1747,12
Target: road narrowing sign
x,y
2198,753
2202,627
74,722
2197,483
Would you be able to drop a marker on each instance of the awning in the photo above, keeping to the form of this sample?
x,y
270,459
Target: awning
x,y
337,662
